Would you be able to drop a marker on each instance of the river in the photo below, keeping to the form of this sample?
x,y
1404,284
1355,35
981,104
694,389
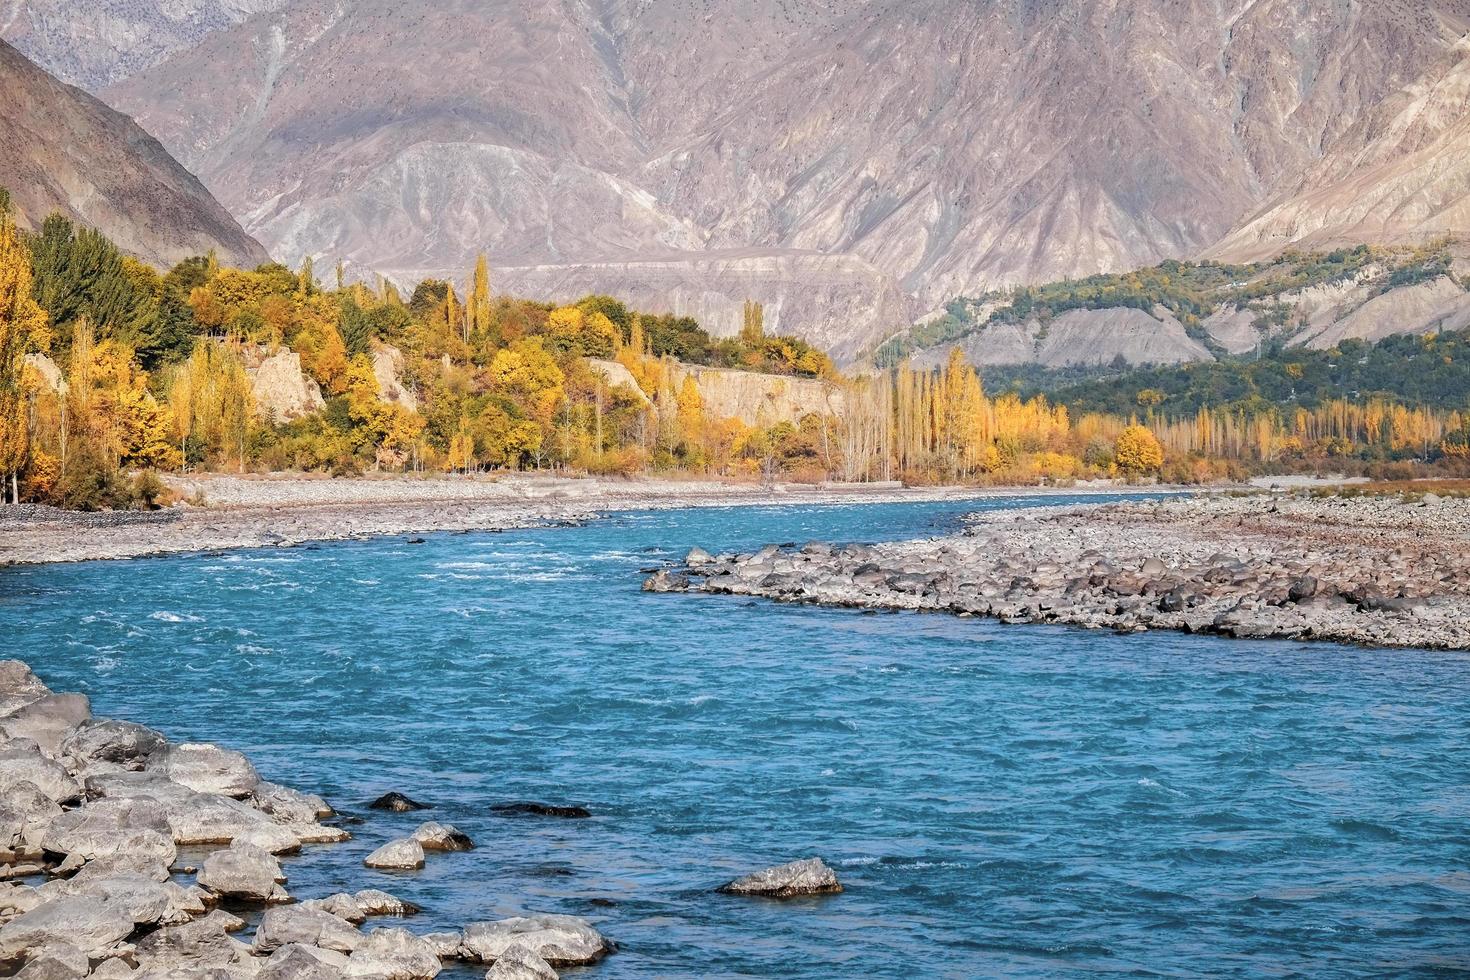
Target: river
x,y
1017,800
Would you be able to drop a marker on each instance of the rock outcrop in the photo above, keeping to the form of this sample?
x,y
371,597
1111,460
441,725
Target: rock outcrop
x,y
281,388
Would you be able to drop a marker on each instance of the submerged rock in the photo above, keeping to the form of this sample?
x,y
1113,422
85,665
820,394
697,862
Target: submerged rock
x,y
397,803
434,836
405,854
808,877
531,809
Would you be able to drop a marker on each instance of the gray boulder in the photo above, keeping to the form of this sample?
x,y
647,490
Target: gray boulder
x,y
109,827
243,871
18,686
201,945
808,877
90,924
374,902
289,806
21,761
58,961
25,813
560,940
403,854
47,720
297,962
520,962
393,954
446,945
198,818
99,743
288,924
146,901
207,768
435,836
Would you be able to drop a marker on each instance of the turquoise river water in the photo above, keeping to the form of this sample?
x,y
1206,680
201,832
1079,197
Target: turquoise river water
x,y
999,800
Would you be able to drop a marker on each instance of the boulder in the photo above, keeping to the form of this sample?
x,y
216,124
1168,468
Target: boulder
x,y
560,940
200,945
90,924
103,742
146,901
446,945
397,803
289,806
150,866
243,871
205,818
374,902
342,905
21,761
207,768
109,827
48,720
393,954
402,854
19,686
113,968
25,813
297,962
1152,568
808,877
435,836
698,556
58,961
288,924
520,962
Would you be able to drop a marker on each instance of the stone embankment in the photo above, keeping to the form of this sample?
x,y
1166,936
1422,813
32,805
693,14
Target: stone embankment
x,y
92,815
1381,571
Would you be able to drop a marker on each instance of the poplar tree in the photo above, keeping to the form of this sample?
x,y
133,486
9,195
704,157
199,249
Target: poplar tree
x,y
22,328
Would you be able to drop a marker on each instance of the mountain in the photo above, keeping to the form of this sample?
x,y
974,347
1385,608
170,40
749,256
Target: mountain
x,y
92,43
62,150
913,150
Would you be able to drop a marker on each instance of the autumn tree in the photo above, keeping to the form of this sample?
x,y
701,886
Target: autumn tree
x,y
1137,451
23,328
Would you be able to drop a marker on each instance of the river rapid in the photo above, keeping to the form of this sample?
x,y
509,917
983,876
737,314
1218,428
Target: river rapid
x,y
998,800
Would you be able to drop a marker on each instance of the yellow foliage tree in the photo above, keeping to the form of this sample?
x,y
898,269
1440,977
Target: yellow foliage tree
x,y
23,328
1137,451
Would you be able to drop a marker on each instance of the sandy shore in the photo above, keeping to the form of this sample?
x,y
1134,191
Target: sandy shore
x,y
248,512
1379,571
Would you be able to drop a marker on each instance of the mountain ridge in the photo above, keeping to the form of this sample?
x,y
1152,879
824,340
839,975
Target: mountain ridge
x,y
63,150
950,147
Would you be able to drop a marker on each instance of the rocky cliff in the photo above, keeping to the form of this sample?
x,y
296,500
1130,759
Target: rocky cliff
x,y
931,148
62,150
755,399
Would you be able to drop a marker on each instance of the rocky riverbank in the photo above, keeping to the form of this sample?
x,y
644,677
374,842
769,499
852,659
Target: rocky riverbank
x,y
241,512
93,813
124,856
1381,571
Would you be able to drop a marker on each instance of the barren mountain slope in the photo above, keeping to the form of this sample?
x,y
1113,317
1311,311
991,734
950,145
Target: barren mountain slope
x,y
93,43
951,146
1399,173
62,150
